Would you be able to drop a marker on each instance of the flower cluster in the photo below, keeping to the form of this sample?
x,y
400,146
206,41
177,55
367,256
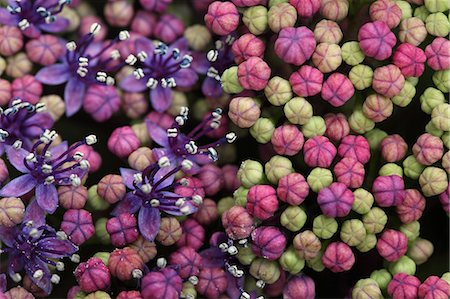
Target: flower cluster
x,y
241,149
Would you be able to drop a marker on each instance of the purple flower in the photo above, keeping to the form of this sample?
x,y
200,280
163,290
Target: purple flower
x,y
159,68
32,246
213,65
34,16
21,123
85,63
179,149
45,170
152,193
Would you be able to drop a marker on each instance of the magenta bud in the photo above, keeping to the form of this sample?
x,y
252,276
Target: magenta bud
x,y
211,178
393,148
222,17
444,198
111,188
307,81
376,40
129,295
4,174
93,275
207,212
262,201
434,287
392,245
44,50
193,186
243,3
231,181
404,286
350,172
163,120
94,158
337,126
11,40
238,223
101,102
318,151
125,264
409,59
293,189
85,27
337,89
335,200
122,229
355,146
306,8
388,80
268,242
123,141
338,257
276,289
5,92
162,284
287,140
411,207
78,226
134,104
168,28
295,45
438,54
388,191
212,282
72,197
193,234
144,23
27,87
299,287
428,149
386,11
155,5
188,261
118,13
246,46
254,73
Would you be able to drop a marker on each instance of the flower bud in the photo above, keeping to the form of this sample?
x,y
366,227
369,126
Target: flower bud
x,y
227,203
212,282
250,173
12,211
390,169
353,232
337,89
262,130
268,242
368,243
193,234
27,87
316,263
411,207
244,111
412,168
367,288
198,37
256,19
123,141
18,66
140,159
338,257
72,197
437,54
118,13
254,74
78,226
335,200
295,45
293,218
125,264
101,232
298,111
307,81
145,249
307,245
361,76
230,81
306,9
363,201
238,223
375,220
290,261
377,107
406,9
267,271
420,251
95,201
93,275
337,126
352,54
433,181
404,286
129,295
382,278
319,178
287,140
388,190
13,40
388,80
277,167
360,123
324,227
315,126
188,260
122,229
281,15
262,201
386,11
169,231
350,172
161,284
403,265
437,24
442,80
111,188
440,116
411,230
376,40
434,287
412,31
327,57
392,245
278,91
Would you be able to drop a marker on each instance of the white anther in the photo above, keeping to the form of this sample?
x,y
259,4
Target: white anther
x,y
101,77
214,124
184,182
3,135
138,73
124,35
154,203
38,274
75,258
115,54
212,72
82,71
131,59
29,223
34,233
242,241
193,279
142,56
137,178
60,266
75,180
48,155
191,147
179,202
213,154
197,199
173,132
49,180
232,250
95,28
24,24
46,168
180,120
55,279
231,137
260,283
146,188
223,247
40,107
212,55
164,162
161,262
17,144
217,113
71,46
239,273
30,157
184,111
232,269
61,235
230,39
110,81
185,210
152,83
137,273
78,156
48,136
245,295
16,277
91,139
187,164
83,60
84,164
260,297
219,44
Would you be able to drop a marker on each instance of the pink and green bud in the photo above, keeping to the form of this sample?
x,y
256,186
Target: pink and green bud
x,y
240,196
250,173
388,80
268,242
125,264
278,91
95,201
293,218
368,243
411,230
359,122
382,278
263,130
377,107
390,169
277,167
262,201
350,172
141,158
230,81
386,11
146,249
298,111
197,36
393,148
405,96
111,188
366,288
434,287
324,227
337,126
256,19
318,151
282,15
421,12
327,31
169,231
420,251
437,24
392,245
222,17
403,265
403,285
295,45
405,8
436,6
290,261
375,220
412,31
430,99
327,57
267,271
440,116
12,40
292,189
335,10
245,255
246,46
12,211
244,111
433,181
238,223
307,245
441,79
376,40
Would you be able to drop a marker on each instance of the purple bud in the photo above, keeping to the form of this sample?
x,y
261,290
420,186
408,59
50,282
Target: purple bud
x,y
155,5
438,54
212,282
125,264
44,50
444,198
123,141
337,89
101,102
161,284
77,224
287,140
188,261
434,287
211,177
231,182
392,245
338,257
307,81
193,234
111,188
293,189
268,242
404,286
122,229
376,40
72,197
356,147
254,74
335,200
144,22
386,11
350,172
11,40
337,126
27,87
238,223
93,275
388,190
246,46
222,17
168,28
129,295
299,287
295,45
388,80
243,3
319,152
118,13
262,201
393,148
207,213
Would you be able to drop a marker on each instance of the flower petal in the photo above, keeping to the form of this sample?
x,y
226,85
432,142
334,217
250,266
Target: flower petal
x,y
200,63
185,77
130,204
7,235
59,25
55,248
212,258
6,18
161,98
128,176
74,95
34,264
19,186
32,31
34,213
47,197
53,74
149,221
16,156
144,45
211,88
35,125
157,134
180,44
59,149
131,84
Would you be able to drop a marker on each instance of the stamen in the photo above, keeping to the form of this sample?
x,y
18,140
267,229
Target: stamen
x,y
17,144
71,46
16,277
49,180
47,168
154,203
231,137
161,262
78,156
223,247
213,154
193,280
115,54
212,55
185,210
245,295
101,77
84,164
61,235
40,107
131,59
34,233
260,283
152,83
75,180
137,273
24,24
30,158
146,188
164,162
138,73
124,35
179,202
137,178
239,273
3,135
232,250
142,56
173,132
197,199
55,279
95,28
191,147
187,164
91,139
38,274
184,182
75,258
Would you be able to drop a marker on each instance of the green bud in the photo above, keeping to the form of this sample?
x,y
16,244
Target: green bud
x,y
405,96
240,196
437,24
267,271
440,116
80,295
95,202
353,232
412,168
256,20
351,53
250,173
277,167
276,2
262,130
446,277
188,290
363,201
446,139
391,169
369,242
421,12
382,277
433,181
298,111
281,15
374,137
315,126
278,91
198,37
413,80
324,227
293,218
361,76
225,204
375,220
319,178
290,261
316,263
406,9
437,5
430,98
431,128
230,82
420,251
360,123
98,295
245,255
403,265
104,256
411,230
179,99
366,288
100,231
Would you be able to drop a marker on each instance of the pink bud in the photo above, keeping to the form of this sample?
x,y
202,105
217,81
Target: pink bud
x,y
211,178
144,23
350,172
428,149
392,245
377,107
262,201
337,126
338,257
231,181
11,40
118,13
45,50
337,89
306,8
318,151
376,40
129,295
238,223
161,284
386,11
388,190
111,188
124,262
193,234
93,275
356,147
247,46
222,17
438,54
299,287
268,242
28,88
123,141
434,287
94,158
293,189
101,102
207,212
411,207
188,261
243,3
72,197
295,45
5,92
254,73
410,59
335,200
163,120
122,229
404,286
77,224
393,148
85,27
287,140
307,81
212,282
194,186
388,80
244,111
168,28
155,5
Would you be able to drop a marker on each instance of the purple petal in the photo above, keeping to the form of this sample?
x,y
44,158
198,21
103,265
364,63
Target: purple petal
x,y
200,63
19,186
54,74
180,44
59,25
130,204
149,221
212,258
34,213
6,18
3,283
7,235
234,284
211,88
36,124
16,263
157,134
185,77
56,248
128,176
59,149
161,98
144,45
131,84
44,282
73,96
32,31
47,197
16,156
